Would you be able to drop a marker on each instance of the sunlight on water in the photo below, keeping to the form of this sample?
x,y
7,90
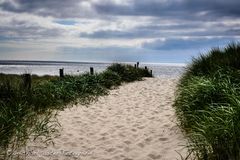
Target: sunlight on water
x,y
159,70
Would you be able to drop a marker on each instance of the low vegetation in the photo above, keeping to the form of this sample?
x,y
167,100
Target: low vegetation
x,y
208,104
26,113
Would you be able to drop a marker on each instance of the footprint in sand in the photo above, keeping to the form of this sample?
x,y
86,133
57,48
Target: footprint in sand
x,y
127,159
74,144
141,127
149,139
121,135
163,139
102,139
134,130
78,122
167,115
127,149
69,134
127,142
76,117
141,145
151,118
104,134
154,156
166,125
64,139
110,149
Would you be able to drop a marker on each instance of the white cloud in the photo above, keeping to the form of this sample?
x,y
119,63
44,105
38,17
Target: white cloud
x,y
106,23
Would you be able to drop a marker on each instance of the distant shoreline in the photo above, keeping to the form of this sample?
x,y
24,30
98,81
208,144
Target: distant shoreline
x,y
25,62
16,62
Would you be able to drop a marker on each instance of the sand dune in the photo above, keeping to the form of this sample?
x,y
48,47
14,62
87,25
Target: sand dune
x,y
134,122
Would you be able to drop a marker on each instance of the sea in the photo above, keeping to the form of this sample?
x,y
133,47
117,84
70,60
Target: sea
x,y
75,68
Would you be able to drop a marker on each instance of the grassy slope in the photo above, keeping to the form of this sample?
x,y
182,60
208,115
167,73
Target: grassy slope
x,y
25,113
208,104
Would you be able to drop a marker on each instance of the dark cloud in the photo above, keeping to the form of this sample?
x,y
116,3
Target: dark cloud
x,y
186,44
144,31
139,8
235,32
129,34
55,8
184,9
176,9
215,7
17,29
188,15
157,31
114,34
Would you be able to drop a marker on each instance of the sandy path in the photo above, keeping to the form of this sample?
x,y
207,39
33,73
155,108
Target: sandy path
x,y
134,122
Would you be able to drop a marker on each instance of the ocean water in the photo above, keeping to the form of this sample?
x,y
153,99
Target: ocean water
x,y
52,68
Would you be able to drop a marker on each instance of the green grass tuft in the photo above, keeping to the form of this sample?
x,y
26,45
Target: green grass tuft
x,y
208,104
129,73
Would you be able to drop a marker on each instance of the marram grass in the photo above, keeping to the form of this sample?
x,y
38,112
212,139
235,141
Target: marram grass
x,y
32,113
208,104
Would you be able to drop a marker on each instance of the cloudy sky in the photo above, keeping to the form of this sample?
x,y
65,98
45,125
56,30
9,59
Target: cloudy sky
x,y
154,31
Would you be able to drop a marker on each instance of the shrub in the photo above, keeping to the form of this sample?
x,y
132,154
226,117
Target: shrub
x,y
109,79
129,73
208,104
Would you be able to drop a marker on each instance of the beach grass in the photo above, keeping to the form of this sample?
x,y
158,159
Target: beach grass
x,y
27,113
208,104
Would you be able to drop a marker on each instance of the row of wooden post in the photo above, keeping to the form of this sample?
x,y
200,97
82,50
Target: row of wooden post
x,y
61,72
137,65
27,80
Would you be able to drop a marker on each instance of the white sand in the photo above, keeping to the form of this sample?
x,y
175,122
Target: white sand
x,y
134,122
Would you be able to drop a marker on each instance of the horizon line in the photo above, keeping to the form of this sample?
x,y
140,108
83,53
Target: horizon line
x,y
22,62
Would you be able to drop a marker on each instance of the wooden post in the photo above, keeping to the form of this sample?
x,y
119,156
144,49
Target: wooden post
x,y
61,73
146,67
151,73
137,64
27,81
91,70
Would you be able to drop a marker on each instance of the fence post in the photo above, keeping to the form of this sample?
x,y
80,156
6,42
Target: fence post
x,y
61,73
151,73
27,81
137,64
91,70
146,67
